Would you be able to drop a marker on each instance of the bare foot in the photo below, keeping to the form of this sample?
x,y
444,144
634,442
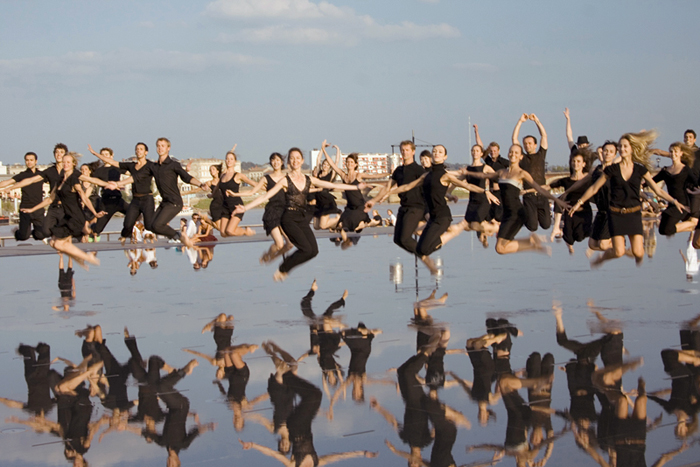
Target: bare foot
x,y
589,252
536,241
92,258
430,264
190,366
249,232
345,294
186,240
279,276
571,249
126,333
314,286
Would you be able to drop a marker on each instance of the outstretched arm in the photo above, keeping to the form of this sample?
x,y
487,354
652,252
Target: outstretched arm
x,y
652,184
381,196
476,134
330,458
86,201
333,164
467,186
544,144
528,178
516,131
272,192
262,183
408,186
569,132
265,450
106,159
593,189
335,186
22,184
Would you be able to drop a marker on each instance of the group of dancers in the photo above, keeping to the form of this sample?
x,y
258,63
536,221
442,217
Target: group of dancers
x,y
530,436
504,196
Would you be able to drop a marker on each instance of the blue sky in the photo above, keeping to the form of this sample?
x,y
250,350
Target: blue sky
x,y
271,74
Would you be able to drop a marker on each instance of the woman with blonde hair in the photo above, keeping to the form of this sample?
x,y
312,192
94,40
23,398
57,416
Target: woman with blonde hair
x,y
625,211
70,192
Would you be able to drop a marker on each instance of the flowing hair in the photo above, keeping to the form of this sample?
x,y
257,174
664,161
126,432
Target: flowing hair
x,y
641,142
688,157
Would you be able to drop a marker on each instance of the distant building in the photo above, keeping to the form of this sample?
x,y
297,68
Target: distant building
x,y
374,163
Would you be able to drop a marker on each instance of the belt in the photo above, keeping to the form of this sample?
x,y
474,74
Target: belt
x,y
626,210
139,195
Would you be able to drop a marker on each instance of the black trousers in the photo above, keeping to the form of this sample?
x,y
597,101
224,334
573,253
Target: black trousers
x,y
111,206
295,225
407,220
164,214
139,205
536,211
53,215
26,221
430,238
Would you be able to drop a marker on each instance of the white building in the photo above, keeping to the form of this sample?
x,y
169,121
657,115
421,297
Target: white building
x,y
374,163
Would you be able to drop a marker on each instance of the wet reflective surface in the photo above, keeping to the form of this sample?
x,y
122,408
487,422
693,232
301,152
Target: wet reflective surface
x,y
407,392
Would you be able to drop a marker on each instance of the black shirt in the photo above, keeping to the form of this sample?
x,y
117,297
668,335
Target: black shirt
x,y
142,177
498,164
534,165
405,174
32,194
108,174
53,178
166,174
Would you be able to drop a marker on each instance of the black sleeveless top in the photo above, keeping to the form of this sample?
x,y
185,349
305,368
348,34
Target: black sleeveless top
x,y
230,201
296,200
434,192
354,198
279,199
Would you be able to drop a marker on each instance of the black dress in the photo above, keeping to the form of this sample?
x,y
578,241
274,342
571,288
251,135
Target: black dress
x,y
578,226
440,216
325,201
73,220
216,208
624,194
600,229
230,202
274,208
354,212
514,215
676,186
479,206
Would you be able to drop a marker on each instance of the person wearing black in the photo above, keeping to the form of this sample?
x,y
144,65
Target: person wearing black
x,y
497,162
142,197
31,196
38,376
677,177
412,209
70,192
577,227
295,222
111,201
533,162
166,172
53,177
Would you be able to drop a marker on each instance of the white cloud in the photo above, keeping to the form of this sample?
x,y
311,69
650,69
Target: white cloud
x,y
340,25
285,35
122,63
292,9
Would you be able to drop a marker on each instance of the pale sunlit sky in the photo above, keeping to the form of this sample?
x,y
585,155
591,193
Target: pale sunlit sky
x,y
271,74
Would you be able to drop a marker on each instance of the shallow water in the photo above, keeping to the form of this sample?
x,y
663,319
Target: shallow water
x,y
166,308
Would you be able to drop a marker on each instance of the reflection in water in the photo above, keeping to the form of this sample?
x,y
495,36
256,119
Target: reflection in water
x,y
66,284
98,407
421,408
